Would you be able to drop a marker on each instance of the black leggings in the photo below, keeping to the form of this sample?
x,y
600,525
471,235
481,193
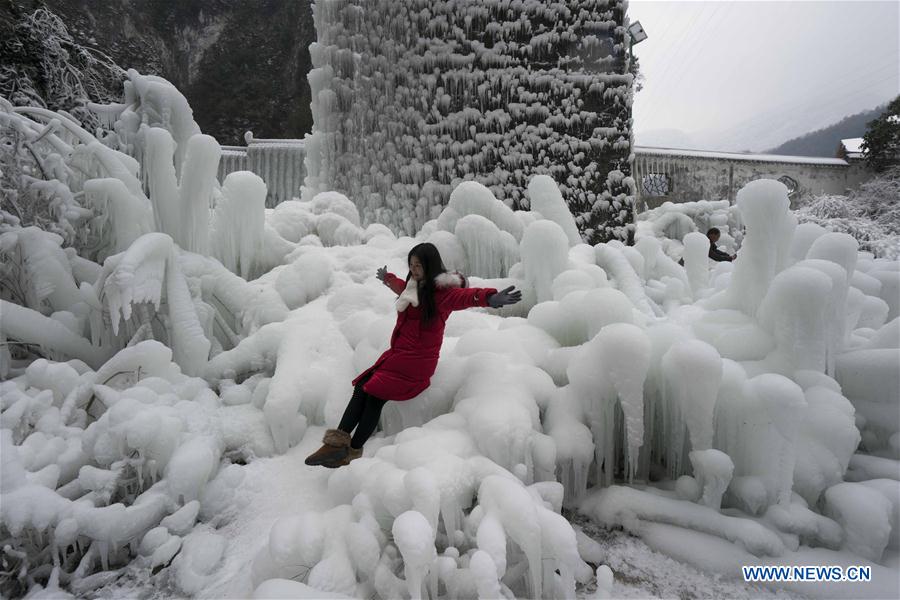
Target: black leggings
x,y
362,412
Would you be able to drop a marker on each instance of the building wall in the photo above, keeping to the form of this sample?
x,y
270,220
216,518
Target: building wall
x,y
858,173
411,97
696,178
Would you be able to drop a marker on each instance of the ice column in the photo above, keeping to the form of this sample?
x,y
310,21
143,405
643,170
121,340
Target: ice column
x,y
764,253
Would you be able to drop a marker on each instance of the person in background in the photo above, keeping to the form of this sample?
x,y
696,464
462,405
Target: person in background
x,y
714,253
425,301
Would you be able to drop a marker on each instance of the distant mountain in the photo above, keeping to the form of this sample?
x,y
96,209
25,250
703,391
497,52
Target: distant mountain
x,y
242,64
823,142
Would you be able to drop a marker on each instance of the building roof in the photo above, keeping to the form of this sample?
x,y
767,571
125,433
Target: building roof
x,y
772,158
852,144
853,147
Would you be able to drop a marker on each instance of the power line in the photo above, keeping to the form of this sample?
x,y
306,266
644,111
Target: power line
x,y
676,59
699,41
680,48
666,34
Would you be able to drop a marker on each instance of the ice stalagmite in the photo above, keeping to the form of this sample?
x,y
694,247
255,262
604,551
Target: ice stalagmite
x,y
614,262
713,469
547,200
162,179
544,251
489,251
422,489
625,356
415,539
182,206
484,572
835,310
574,442
696,252
840,248
773,447
239,223
827,437
189,342
693,373
198,179
491,539
511,504
765,209
804,236
794,311
473,198
486,232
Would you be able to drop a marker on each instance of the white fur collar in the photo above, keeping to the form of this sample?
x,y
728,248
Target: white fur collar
x,y
453,279
410,295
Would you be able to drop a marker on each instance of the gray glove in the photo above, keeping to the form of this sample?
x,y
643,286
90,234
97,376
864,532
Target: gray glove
x,y
508,296
381,273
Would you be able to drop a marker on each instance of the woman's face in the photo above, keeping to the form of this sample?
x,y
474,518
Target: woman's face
x,y
416,270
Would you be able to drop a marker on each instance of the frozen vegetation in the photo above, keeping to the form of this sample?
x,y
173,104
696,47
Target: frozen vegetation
x,y
871,214
171,349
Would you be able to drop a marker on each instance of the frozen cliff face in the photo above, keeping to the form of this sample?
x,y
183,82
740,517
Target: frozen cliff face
x,y
409,98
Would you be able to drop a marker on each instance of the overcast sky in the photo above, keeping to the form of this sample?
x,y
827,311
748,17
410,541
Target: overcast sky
x,y
735,75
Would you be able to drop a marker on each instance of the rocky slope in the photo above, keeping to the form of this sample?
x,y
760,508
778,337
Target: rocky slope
x,y
242,64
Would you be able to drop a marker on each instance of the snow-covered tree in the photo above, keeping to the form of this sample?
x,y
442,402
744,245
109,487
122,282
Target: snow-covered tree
x,y
41,64
881,142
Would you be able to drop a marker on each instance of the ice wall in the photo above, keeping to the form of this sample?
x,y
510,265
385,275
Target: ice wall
x,y
410,97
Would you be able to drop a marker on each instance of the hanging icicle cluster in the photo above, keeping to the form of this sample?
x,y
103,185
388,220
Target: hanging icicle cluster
x,y
409,98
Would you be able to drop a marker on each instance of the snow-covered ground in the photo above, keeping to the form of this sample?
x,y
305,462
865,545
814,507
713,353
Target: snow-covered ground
x,y
172,350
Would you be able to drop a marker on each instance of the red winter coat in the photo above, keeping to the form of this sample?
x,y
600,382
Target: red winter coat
x,y
404,371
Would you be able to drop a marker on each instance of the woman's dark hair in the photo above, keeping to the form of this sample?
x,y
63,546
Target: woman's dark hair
x,y
433,266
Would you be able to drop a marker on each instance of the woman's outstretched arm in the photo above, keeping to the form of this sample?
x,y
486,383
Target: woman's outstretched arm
x,y
396,284
463,298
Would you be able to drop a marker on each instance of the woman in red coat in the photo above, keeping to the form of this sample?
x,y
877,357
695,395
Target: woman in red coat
x,y
425,301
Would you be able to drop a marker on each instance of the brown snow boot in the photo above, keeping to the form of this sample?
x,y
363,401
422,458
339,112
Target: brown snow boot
x,y
352,454
334,449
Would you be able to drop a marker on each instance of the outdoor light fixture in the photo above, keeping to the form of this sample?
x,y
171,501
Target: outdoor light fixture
x,y
638,35
637,32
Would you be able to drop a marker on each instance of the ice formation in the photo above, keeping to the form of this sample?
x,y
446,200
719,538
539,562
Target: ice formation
x,y
769,226
170,346
409,99
238,227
